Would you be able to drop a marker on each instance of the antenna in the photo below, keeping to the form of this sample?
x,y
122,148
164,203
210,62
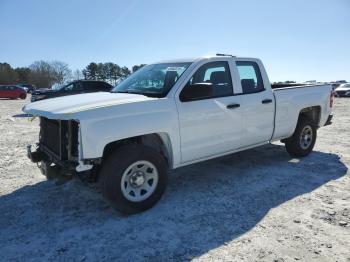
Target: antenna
x,y
219,54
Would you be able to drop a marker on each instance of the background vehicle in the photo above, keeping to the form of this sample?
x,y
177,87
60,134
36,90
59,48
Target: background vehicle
x,y
337,83
76,87
172,114
343,90
24,88
12,92
29,88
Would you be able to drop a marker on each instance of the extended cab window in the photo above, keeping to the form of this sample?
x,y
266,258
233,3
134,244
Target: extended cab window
x,y
215,73
250,76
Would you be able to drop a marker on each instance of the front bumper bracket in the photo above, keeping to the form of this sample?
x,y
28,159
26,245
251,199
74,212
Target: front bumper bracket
x,y
329,120
35,156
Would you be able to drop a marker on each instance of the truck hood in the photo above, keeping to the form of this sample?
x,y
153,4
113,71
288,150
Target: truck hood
x,y
64,107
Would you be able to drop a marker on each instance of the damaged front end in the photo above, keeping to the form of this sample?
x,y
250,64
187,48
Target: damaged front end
x,y
58,146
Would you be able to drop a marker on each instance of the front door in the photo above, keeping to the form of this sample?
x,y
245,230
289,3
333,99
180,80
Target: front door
x,y
210,125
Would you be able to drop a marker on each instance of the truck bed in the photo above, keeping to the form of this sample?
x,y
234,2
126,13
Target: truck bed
x,y
292,99
293,85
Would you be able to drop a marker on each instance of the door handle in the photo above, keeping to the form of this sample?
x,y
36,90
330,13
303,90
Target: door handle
x,y
233,106
266,101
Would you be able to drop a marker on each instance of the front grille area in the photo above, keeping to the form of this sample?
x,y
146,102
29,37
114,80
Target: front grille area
x,y
50,134
60,137
74,138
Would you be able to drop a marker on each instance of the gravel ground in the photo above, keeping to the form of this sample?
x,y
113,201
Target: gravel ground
x,y
258,205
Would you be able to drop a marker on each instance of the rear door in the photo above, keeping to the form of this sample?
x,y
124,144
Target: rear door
x,y
212,125
258,104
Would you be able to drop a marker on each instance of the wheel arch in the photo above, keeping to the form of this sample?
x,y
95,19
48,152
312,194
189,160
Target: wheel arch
x,y
312,112
161,142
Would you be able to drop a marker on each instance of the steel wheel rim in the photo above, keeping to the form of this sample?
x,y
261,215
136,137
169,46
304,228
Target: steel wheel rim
x,y
139,181
306,137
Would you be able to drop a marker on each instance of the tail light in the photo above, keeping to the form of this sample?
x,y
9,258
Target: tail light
x,y
331,99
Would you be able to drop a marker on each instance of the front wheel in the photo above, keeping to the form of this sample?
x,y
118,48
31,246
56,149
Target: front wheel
x,y
133,178
303,140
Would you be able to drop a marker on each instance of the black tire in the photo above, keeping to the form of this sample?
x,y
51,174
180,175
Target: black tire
x,y
294,145
22,97
113,168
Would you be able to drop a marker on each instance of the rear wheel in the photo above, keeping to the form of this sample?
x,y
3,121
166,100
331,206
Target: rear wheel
x,y
22,96
303,140
133,178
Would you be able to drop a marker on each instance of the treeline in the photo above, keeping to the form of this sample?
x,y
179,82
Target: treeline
x,y
109,72
45,74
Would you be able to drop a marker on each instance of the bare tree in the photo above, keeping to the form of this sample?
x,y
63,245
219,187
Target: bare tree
x,y
41,74
45,74
78,74
61,72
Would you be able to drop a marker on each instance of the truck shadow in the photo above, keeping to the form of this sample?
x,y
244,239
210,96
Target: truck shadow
x,y
205,206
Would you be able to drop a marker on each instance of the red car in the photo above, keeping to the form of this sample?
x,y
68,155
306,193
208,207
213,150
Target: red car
x,y
12,92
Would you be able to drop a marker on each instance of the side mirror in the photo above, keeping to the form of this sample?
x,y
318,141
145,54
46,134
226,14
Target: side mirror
x,y
196,91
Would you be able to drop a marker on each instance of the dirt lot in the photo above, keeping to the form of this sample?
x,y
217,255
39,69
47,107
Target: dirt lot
x,y
258,205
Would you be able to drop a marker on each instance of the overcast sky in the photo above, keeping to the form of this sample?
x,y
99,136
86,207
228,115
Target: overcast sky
x,y
296,39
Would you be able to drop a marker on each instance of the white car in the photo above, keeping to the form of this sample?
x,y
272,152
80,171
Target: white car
x,y
343,90
171,114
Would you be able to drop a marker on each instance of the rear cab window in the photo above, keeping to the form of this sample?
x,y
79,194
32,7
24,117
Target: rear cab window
x,y
250,77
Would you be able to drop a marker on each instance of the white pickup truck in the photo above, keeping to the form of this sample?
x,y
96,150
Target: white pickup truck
x,y
171,114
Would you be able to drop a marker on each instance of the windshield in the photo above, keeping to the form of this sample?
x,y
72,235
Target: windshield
x,y
152,80
57,86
